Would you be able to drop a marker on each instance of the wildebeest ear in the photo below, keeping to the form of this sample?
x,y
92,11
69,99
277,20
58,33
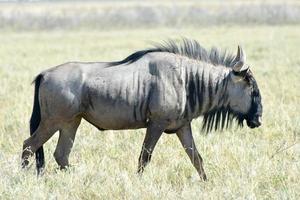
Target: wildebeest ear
x,y
239,61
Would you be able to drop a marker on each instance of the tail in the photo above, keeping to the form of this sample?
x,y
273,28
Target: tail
x,y
35,121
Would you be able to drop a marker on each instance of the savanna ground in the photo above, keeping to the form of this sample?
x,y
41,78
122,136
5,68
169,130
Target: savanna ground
x,y
245,163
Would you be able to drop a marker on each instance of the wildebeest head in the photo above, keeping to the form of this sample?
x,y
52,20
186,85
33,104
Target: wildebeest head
x,y
243,93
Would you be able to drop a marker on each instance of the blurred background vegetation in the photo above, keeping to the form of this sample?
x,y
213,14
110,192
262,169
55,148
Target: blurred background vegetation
x,y
55,14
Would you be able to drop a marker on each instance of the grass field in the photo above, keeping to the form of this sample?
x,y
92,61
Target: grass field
x,y
240,163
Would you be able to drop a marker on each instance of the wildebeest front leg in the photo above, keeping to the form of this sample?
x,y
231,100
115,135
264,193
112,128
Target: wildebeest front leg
x,y
153,133
186,138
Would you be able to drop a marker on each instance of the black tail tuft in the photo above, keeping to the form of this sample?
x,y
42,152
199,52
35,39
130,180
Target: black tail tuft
x,y
35,121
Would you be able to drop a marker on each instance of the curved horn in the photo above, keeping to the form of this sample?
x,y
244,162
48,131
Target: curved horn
x,y
240,55
240,60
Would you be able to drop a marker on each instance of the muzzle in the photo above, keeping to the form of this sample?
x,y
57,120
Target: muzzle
x,y
255,122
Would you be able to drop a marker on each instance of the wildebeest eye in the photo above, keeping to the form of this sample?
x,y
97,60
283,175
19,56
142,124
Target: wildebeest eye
x,y
248,78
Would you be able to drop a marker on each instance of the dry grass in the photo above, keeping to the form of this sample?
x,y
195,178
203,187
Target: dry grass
x,y
240,163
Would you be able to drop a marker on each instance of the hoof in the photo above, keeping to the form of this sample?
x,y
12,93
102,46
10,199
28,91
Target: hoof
x,y
203,177
24,163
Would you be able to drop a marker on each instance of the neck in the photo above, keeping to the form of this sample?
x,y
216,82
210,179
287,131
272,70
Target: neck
x,y
206,89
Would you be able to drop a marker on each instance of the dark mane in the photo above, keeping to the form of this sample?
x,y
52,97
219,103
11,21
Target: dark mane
x,y
189,48
221,118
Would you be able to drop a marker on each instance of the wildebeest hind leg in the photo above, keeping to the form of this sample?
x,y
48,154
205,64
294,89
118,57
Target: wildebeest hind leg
x,y
153,133
36,140
186,138
65,142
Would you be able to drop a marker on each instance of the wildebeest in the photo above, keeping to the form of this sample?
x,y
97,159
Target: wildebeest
x,y
162,89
